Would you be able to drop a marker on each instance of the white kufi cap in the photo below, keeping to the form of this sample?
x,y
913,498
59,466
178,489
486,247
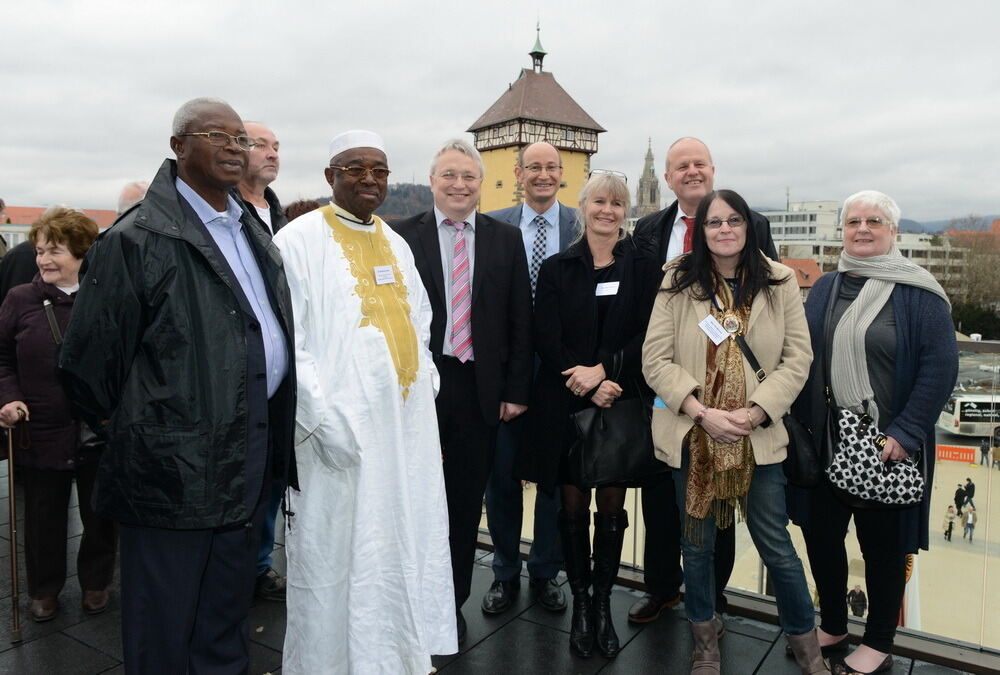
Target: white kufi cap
x,y
357,138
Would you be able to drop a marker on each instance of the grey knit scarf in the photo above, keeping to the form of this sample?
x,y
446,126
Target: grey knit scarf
x,y
848,362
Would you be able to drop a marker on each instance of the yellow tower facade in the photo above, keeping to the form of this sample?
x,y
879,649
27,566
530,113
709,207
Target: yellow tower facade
x,y
534,108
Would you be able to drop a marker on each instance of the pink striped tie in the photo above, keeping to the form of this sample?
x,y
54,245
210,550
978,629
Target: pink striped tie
x,y
461,295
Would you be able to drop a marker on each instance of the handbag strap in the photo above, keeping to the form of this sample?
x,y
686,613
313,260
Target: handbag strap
x,y
827,339
751,359
53,326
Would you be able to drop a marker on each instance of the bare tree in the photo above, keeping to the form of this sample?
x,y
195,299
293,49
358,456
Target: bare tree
x,y
981,274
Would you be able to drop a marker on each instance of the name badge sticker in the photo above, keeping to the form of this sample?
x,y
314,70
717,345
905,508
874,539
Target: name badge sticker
x,y
607,288
384,275
713,329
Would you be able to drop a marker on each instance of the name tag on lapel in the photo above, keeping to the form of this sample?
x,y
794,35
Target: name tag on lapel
x,y
713,329
384,275
607,288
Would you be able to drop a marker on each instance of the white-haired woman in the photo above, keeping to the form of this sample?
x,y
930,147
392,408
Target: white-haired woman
x,y
591,307
886,324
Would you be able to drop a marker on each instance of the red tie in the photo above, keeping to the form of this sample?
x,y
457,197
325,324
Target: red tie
x,y
689,221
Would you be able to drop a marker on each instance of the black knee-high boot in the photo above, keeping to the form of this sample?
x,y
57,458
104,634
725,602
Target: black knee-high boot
x,y
609,531
575,531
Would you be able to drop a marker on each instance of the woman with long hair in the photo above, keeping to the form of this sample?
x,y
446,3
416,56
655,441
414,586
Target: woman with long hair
x,y
718,424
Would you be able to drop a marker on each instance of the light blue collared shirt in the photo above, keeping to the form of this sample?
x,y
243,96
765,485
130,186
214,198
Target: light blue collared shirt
x,y
227,232
529,228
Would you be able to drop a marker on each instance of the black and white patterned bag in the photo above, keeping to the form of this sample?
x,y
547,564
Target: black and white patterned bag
x,y
858,470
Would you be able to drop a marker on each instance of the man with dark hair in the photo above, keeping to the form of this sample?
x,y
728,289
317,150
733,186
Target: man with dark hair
x,y
178,354
667,234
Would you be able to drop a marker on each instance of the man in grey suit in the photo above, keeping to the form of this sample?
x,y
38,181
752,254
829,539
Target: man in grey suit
x,y
547,227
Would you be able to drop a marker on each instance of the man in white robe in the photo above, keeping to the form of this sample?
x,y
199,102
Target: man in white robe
x,y
369,573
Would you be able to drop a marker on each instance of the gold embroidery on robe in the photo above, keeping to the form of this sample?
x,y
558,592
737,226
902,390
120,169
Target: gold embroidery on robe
x,y
384,306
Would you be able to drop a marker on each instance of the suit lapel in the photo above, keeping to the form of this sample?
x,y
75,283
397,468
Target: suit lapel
x,y
428,236
567,226
484,239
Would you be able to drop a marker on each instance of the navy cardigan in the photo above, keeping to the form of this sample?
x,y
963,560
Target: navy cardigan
x,y
925,374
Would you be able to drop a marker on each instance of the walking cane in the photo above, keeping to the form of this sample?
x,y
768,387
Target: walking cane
x,y
15,594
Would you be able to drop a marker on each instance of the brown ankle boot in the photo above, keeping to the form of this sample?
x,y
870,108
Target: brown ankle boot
x,y
807,653
705,659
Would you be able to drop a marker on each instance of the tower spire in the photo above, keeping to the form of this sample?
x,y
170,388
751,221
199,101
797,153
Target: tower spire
x,y
537,53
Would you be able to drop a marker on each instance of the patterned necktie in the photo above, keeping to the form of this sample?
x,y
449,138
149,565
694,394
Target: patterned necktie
x,y
461,295
689,234
537,252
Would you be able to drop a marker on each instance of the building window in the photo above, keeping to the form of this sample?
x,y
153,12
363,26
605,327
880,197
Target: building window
x,y
499,185
568,135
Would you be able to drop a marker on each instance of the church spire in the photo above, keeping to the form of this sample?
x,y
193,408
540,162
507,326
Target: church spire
x,y
537,53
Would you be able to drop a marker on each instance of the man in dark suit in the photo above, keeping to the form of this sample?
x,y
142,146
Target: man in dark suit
x,y
480,337
547,227
690,175
196,426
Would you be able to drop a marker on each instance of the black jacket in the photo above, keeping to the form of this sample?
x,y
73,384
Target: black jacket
x,y
158,348
278,219
652,233
565,332
501,305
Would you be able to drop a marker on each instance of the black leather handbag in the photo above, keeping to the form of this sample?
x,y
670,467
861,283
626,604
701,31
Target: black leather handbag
x,y
615,444
802,464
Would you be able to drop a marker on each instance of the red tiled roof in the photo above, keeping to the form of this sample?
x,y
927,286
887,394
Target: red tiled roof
x,y
807,271
26,215
536,96
977,238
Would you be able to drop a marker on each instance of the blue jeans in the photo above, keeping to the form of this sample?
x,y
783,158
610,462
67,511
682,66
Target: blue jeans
x,y
767,521
504,512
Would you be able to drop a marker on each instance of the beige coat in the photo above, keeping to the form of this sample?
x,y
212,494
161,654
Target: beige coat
x,y
673,363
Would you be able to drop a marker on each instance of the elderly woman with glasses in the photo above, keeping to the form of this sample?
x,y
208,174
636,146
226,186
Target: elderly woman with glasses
x,y
886,326
717,424
591,307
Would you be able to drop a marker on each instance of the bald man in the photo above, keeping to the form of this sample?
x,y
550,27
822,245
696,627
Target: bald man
x,y
690,175
547,227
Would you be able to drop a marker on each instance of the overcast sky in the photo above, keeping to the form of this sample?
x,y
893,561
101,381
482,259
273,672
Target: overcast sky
x,y
824,98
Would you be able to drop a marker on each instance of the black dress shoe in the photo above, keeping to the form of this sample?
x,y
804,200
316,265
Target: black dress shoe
x,y
462,628
270,586
648,607
550,594
838,647
501,596
44,609
839,667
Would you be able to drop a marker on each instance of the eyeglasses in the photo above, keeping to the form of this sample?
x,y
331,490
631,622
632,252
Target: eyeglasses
x,y
538,168
618,174
451,177
873,223
359,172
733,221
221,139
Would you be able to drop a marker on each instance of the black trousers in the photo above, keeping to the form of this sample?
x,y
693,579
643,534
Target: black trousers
x,y
467,446
885,565
46,505
185,598
662,558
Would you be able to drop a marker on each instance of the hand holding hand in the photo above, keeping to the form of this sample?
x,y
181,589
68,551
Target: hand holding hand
x,y
606,394
582,379
720,426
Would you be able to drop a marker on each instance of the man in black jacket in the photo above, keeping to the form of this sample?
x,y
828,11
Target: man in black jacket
x,y
178,352
476,274
666,234
262,170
